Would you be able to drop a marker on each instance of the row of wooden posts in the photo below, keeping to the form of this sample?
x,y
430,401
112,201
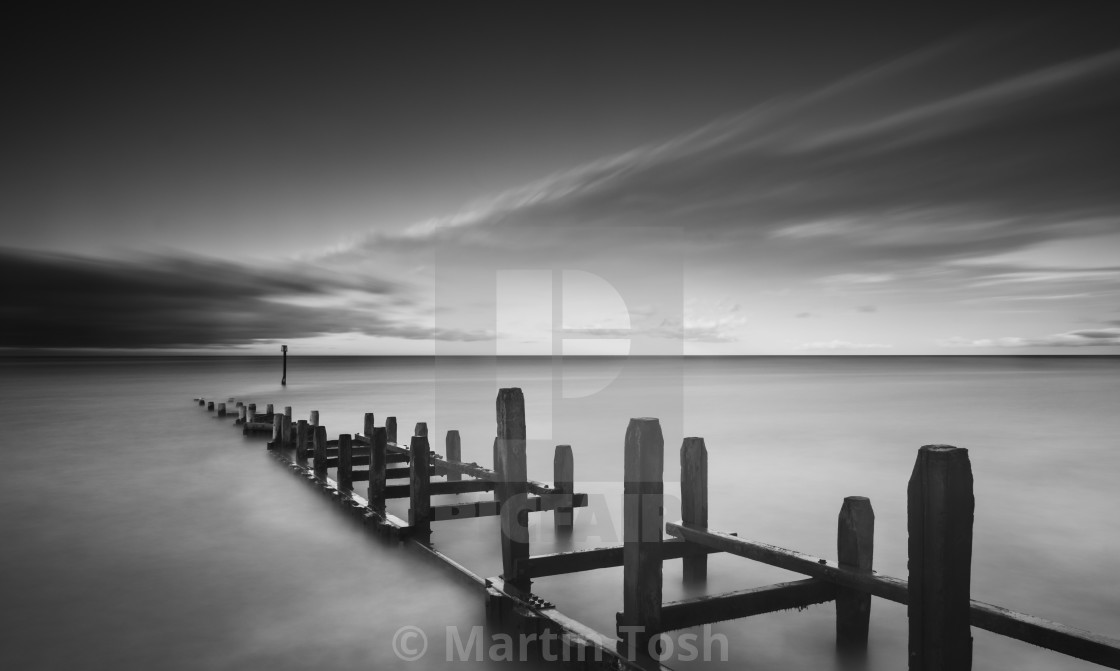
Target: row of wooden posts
x,y
940,507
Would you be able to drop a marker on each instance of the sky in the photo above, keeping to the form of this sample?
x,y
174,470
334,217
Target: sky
x,y
560,178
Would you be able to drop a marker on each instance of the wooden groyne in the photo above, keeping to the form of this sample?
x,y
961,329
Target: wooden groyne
x,y
940,507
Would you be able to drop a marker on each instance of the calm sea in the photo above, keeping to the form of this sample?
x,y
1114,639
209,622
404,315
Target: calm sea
x,y
141,533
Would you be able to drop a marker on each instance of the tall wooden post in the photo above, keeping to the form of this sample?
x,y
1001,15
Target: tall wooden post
x,y
320,456
277,432
284,378
251,413
367,426
513,485
694,502
940,506
454,453
345,462
391,430
377,470
855,549
643,521
288,411
286,428
421,429
563,480
301,442
313,418
268,409
420,504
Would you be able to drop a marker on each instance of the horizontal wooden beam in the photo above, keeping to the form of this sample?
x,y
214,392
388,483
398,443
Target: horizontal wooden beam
x,y
881,586
1054,636
475,471
534,504
575,561
456,487
744,603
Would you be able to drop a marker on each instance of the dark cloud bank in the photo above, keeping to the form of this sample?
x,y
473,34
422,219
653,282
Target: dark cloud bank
x,y
68,302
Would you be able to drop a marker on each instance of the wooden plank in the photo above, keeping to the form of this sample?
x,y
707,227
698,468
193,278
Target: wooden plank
x,y
939,522
563,478
454,449
642,518
855,549
440,488
512,488
419,501
885,587
1046,634
531,504
745,603
575,561
694,501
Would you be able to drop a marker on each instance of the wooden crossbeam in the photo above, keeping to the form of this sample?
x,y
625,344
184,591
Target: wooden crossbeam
x,y
453,487
474,470
534,504
744,603
1077,643
575,561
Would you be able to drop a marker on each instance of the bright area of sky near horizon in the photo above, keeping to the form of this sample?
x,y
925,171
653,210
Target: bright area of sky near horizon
x,y
570,178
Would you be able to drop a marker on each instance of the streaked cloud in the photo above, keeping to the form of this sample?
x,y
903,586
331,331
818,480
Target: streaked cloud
x,y
833,345
1105,337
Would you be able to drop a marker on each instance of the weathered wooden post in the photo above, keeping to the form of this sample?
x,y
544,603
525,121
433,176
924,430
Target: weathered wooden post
x,y
284,377
221,410
694,502
454,453
642,526
345,462
210,406
367,425
320,456
301,442
286,428
855,549
202,401
242,413
563,480
940,506
391,430
251,413
377,470
420,504
277,431
268,409
421,429
512,486
314,418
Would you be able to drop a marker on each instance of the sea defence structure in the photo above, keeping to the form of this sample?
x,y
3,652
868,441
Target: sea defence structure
x,y
940,508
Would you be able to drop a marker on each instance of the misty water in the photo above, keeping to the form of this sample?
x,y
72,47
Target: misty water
x,y
139,532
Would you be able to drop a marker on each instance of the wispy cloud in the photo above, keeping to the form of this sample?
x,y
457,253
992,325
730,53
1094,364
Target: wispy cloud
x,y
1084,338
833,345
56,301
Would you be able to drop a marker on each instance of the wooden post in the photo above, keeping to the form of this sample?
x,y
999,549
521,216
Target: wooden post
x,y
320,456
345,462
420,504
314,418
367,425
939,521
286,429
377,470
251,413
642,526
288,411
421,429
221,410
454,453
241,414
268,409
513,486
563,480
301,441
277,431
284,377
694,502
202,401
391,430
855,548
210,406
